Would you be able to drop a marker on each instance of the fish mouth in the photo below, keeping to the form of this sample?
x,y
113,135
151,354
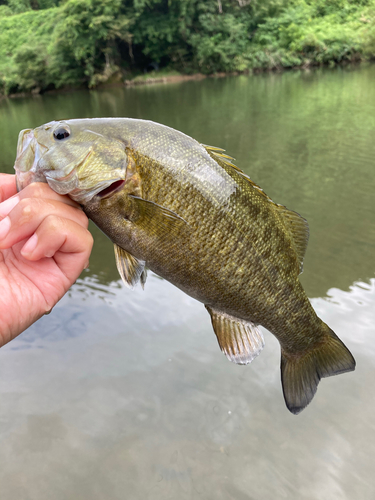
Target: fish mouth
x,y
111,190
29,152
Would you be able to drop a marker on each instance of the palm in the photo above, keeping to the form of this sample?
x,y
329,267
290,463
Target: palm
x,y
29,289
34,279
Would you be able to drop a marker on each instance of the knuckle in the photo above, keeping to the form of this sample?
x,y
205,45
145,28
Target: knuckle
x,y
53,222
90,239
82,218
28,208
36,190
86,242
34,204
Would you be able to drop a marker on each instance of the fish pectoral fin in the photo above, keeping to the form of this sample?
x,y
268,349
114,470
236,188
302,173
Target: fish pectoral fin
x,y
131,269
299,230
155,218
241,341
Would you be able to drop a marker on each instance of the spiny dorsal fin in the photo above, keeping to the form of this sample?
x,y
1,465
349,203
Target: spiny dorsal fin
x,y
240,341
218,156
218,153
297,225
131,269
299,230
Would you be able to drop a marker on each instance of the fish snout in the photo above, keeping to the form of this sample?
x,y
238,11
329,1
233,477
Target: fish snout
x,y
29,152
24,139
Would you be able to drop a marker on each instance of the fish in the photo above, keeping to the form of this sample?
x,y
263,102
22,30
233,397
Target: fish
x,y
185,211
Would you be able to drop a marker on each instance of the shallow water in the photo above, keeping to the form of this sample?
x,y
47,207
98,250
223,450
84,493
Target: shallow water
x,y
125,394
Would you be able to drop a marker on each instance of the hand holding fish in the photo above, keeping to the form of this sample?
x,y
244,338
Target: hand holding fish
x,y
44,246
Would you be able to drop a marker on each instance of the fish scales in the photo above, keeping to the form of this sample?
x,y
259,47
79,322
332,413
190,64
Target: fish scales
x,y
191,216
243,254
202,249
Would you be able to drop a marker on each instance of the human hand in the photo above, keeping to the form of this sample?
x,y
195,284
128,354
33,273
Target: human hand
x,y
44,246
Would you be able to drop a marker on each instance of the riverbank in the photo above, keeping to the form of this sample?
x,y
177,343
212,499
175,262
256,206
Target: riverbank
x,y
173,78
154,77
90,43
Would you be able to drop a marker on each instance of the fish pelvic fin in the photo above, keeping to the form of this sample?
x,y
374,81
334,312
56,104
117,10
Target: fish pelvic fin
x,y
130,269
300,375
241,341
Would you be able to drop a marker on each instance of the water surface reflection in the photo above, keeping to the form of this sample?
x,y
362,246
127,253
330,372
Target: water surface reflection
x,y
126,391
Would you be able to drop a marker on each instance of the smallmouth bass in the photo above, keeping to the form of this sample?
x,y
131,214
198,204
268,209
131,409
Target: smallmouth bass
x,y
186,212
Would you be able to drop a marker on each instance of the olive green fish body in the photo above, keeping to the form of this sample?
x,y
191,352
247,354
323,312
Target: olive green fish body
x,y
219,257
188,214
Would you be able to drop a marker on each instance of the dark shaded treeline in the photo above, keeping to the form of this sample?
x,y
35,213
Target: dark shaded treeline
x,y
47,44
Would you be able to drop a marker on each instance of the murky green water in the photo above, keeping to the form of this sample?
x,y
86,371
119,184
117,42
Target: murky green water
x,y
125,394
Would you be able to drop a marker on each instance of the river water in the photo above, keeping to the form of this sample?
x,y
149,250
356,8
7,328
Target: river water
x,y
125,394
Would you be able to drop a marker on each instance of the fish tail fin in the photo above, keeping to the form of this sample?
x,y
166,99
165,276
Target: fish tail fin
x,y
300,374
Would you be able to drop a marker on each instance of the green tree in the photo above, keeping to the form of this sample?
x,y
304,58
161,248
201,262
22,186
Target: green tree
x,y
84,41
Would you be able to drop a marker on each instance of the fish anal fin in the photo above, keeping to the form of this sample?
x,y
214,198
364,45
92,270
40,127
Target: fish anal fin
x,y
156,219
300,375
240,341
130,268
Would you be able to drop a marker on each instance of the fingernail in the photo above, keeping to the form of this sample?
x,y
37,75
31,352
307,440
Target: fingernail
x,y
4,227
8,205
30,245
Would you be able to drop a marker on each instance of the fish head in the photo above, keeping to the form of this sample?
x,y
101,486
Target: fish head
x,y
71,157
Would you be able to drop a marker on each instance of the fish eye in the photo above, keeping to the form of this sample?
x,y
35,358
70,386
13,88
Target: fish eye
x,y
61,133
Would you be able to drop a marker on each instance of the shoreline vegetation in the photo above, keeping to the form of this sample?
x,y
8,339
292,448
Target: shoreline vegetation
x,y
47,45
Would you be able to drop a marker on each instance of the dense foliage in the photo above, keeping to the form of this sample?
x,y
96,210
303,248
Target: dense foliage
x,y
47,44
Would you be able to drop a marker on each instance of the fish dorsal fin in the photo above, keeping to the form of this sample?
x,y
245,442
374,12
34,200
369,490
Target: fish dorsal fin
x,y
223,161
296,225
241,341
155,218
131,269
218,153
299,230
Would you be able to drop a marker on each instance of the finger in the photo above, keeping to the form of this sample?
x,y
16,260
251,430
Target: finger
x,y
8,205
28,214
42,190
35,190
65,240
8,186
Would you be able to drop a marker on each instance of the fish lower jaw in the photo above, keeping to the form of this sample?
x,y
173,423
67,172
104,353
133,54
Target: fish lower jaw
x,y
23,179
65,186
